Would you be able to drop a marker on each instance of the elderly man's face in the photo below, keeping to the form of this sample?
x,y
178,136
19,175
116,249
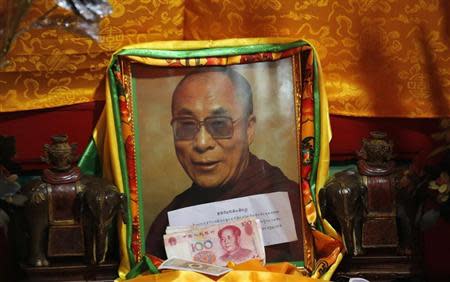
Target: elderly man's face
x,y
212,162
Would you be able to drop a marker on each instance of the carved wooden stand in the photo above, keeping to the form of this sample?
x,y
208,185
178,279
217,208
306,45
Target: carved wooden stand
x,y
380,223
379,267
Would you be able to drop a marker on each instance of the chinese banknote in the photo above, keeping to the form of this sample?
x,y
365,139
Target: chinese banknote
x,y
235,241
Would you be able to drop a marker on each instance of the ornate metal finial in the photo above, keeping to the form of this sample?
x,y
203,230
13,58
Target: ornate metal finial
x,y
377,150
60,154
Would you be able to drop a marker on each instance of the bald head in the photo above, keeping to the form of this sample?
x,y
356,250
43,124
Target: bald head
x,y
218,77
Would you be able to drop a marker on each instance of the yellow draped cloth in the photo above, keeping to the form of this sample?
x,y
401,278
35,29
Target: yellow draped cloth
x,y
251,271
106,142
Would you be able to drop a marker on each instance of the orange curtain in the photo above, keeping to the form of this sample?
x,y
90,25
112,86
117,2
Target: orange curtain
x,y
384,58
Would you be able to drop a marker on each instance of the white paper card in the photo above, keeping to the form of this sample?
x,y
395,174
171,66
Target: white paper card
x,y
273,210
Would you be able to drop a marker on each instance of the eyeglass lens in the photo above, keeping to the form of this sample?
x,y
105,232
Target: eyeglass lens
x,y
218,127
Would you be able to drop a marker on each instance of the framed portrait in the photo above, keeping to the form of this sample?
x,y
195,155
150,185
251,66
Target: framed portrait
x,y
208,122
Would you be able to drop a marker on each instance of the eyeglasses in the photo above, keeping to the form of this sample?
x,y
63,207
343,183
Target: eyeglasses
x,y
217,127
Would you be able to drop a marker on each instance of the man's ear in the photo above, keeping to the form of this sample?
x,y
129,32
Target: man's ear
x,y
251,126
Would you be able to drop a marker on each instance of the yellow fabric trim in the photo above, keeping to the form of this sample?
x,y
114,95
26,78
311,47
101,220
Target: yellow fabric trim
x,y
324,158
205,44
327,276
325,134
324,161
111,171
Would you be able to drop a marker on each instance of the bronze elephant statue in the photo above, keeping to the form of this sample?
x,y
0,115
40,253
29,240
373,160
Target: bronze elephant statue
x,y
343,201
53,204
96,205
101,202
68,213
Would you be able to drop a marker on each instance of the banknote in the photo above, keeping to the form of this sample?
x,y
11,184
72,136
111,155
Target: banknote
x,y
178,229
182,264
235,241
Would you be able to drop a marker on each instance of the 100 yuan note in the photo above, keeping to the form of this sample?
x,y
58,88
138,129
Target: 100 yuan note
x,y
182,264
236,241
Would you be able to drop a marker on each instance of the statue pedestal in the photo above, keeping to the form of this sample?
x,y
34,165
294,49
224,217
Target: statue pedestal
x,y
71,271
379,267
380,223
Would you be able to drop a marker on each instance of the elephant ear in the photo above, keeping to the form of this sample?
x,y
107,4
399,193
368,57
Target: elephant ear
x,y
323,201
124,208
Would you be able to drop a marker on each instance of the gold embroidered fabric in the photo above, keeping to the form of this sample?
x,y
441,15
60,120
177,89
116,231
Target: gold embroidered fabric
x,y
383,58
52,67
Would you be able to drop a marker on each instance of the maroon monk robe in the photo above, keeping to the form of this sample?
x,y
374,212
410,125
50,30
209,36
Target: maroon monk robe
x,y
258,178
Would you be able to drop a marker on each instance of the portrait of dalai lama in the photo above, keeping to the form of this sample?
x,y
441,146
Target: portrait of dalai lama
x,y
213,125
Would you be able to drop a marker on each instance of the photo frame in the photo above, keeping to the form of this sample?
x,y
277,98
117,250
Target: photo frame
x,y
284,82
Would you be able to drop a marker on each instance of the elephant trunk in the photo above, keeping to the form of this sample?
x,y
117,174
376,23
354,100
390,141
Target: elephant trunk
x,y
101,240
347,234
101,243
